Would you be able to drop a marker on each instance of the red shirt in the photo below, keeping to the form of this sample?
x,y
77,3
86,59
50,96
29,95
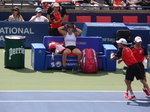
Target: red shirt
x,y
128,57
56,16
139,53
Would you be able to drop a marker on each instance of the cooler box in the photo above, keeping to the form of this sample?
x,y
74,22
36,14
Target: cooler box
x,y
14,51
38,56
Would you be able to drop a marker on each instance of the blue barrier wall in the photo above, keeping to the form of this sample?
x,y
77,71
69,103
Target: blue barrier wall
x,y
142,31
34,31
116,17
105,30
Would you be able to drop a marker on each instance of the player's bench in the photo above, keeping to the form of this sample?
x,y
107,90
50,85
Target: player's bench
x,y
42,58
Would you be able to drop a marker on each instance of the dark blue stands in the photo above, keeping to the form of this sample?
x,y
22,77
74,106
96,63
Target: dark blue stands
x,y
42,57
105,30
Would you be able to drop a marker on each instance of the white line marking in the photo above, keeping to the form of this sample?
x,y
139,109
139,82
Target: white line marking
x,y
70,101
64,91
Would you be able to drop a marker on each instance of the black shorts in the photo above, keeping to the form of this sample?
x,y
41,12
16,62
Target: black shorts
x,y
71,47
54,32
134,70
142,69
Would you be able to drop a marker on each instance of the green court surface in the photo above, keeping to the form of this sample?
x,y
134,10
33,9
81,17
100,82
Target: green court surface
x,y
54,79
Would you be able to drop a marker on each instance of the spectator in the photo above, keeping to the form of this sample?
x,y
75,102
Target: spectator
x,y
2,2
70,43
134,4
146,3
62,11
100,3
120,3
125,54
39,17
16,16
139,53
56,20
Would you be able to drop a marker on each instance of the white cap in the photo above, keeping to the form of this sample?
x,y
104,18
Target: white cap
x,y
55,4
122,41
38,9
138,39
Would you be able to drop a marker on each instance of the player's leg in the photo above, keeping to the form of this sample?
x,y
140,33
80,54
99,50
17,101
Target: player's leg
x,y
64,58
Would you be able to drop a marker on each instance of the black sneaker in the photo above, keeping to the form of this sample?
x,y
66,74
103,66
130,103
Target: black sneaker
x,y
79,69
63,69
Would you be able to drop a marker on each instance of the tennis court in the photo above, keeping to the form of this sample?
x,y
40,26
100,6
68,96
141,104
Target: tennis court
x,y
26,90
71,101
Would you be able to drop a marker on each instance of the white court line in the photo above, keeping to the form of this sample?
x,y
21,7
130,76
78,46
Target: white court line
x,y
60,91
70,101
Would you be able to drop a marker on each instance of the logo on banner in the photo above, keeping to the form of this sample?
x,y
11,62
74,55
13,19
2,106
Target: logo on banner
x,y
15,51
2,38
14,30
57,64
111,40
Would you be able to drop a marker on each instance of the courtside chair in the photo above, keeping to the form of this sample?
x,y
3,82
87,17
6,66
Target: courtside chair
x,y
67,18
148,19
83,18
103,19
130,19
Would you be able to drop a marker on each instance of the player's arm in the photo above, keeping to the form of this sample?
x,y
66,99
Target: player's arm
x,y
62,31
117,55
145,53
112,56
78,31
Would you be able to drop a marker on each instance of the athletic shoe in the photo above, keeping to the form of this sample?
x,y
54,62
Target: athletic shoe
x,y
146,92
79,69
63,69
124,73
126,95
131,98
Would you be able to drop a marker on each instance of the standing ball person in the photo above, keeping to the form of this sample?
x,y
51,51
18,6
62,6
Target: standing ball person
x,y
61,10
140,53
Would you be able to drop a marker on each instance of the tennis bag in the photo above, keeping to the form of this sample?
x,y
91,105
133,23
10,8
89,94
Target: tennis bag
x,y
89,62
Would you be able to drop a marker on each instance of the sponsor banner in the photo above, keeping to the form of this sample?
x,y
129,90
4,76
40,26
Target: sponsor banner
x,y
33,31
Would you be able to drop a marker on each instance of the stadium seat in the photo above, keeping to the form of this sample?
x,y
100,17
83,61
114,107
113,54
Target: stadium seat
x,y
105,19
83,18
67,18
130,19
148,19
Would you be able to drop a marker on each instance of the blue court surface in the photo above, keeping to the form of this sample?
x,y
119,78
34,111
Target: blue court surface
x,y
71,101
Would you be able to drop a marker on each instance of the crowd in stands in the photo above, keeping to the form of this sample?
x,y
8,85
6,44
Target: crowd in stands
x,y
111,4
103,4
55,16
117,4
2,2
